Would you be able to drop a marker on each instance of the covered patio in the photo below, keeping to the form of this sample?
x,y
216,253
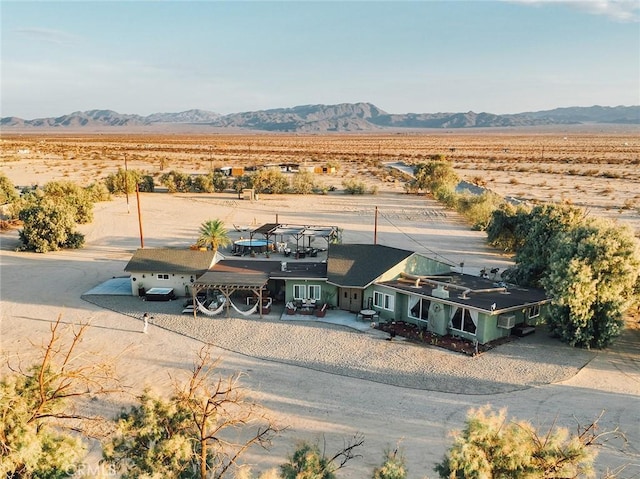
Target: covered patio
x,y
227,280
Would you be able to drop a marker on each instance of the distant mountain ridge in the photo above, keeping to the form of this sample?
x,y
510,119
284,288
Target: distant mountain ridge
x,y
344,117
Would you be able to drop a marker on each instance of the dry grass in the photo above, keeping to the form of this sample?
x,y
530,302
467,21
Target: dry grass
x,y
598,170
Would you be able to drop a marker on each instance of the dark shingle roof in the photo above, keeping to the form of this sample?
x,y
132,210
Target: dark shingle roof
x,y
164,260
481,293
358,265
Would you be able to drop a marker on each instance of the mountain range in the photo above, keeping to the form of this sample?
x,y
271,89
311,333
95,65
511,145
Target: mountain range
x,y
344,117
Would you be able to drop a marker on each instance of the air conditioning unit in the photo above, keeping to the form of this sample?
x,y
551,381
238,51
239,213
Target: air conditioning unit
x,y
506,322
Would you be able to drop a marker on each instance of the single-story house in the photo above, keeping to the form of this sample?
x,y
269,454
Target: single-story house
x,y
168,268
399,285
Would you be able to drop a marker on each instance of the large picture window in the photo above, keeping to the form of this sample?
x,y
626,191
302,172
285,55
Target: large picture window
x,y
462,320
418,308
314,291
299,291
383,301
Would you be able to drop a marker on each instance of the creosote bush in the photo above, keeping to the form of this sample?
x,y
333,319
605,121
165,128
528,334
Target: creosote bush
x,y
490,446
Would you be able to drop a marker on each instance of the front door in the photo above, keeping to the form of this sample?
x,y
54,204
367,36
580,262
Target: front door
x,y
350,299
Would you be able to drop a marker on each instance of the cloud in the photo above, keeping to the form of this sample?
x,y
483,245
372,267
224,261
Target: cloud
x,y
47,35
627,11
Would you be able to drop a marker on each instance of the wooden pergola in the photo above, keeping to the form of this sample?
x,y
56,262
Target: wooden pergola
x,y
228,280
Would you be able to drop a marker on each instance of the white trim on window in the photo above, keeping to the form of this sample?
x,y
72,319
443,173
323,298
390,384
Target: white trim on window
x,y
315,291
163,276
299,291
534,311
383,300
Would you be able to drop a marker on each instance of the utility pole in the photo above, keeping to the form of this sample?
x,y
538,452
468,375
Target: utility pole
x,y
139,216
126,182
375,228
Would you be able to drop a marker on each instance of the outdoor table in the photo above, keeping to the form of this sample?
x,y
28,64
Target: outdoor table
x,y
368,314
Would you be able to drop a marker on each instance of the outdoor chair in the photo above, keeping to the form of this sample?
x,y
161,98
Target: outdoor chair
x,y
321,313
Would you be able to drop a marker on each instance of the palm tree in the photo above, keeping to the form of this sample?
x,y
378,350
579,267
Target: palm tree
x,y
213,235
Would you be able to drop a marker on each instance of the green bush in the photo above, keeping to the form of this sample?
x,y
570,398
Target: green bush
x,y
122,182
271,181
307,462
98,192
303,183
146,184
48,226
592,274
353,187
8,193
176,182
79,199
394,466
203,184
491,447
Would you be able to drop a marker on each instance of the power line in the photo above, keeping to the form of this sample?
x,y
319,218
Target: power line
x,y
434,253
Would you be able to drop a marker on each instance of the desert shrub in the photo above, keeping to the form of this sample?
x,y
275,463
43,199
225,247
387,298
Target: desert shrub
x,y
48,226
8,192
78,199
146,184
270,181
190,430
203,184
504,228
303,183
122,181
176,182
478,209
540,230
592,273
98,192
435,175
307,462
491,447
241,183
394,466
354,187
219,181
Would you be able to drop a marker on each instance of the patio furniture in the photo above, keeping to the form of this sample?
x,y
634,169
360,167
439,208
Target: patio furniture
x,y
368,314
321,313
291,308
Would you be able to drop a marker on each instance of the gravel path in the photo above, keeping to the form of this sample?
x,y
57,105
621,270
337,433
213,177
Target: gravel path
x,y
524,363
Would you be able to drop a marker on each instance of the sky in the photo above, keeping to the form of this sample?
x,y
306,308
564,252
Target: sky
x,y
143,57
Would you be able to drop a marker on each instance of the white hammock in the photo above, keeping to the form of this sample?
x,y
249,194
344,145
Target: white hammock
x,y
245,313
210,312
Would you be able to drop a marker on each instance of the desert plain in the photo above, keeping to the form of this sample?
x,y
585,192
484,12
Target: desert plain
x,y
595,169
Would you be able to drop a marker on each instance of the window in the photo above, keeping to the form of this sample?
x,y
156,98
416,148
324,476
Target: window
x,y
314,291
382,300
419,308
163,276
299,291
534,311
463,321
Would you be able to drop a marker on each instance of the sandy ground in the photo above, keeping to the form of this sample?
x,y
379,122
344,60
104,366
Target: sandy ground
x,y
317,405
